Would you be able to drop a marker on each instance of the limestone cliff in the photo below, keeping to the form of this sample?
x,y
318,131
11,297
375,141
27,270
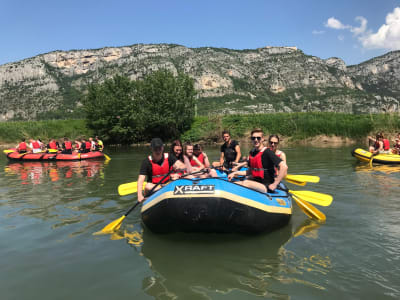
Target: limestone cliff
x,y
269,79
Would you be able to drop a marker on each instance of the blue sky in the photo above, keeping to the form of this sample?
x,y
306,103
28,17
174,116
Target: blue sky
x,y
353,30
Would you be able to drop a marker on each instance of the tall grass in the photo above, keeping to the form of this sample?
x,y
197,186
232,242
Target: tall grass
x,y
14,131
296,125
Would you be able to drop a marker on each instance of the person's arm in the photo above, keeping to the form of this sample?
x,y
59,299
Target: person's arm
x,y
221,159
238,153
283,156
206,161
282,172
140,183
187,164
237,173
198,162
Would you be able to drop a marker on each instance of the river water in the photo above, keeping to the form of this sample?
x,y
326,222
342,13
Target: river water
x,y
49,212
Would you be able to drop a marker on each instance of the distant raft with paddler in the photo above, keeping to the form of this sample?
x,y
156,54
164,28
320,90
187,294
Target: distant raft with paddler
x,y
366,156
215,205
14,155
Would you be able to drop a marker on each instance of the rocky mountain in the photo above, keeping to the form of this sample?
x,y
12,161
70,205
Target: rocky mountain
x,y
269,79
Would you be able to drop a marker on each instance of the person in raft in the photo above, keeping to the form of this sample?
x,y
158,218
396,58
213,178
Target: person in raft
x,y
99,144
230,152
66,146
262,164
396,145
380,144
22,147
157,168
201,155
273,142
194,164
53,146
35,146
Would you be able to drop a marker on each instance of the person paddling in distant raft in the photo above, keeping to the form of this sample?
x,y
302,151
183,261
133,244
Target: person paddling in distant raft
x,y
157,168
262,164
396,145
35,146
67,146
273,142
53,146
22,147
99,144
380,145
230,152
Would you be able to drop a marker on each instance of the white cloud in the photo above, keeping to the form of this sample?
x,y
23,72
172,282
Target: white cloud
x,y
335,24
363,26
341,37
387,36
318,32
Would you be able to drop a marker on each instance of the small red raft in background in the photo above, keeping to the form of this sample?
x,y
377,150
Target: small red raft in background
x,y
14,155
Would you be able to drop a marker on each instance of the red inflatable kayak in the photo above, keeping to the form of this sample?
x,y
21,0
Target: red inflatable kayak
x,y
14,155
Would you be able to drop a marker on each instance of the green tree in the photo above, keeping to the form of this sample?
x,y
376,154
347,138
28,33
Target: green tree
x,y
122,111
168,103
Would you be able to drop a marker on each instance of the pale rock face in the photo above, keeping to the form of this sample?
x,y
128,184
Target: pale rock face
x,y
38,84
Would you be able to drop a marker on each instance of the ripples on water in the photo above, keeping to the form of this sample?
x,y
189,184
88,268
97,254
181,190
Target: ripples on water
x,y
48,212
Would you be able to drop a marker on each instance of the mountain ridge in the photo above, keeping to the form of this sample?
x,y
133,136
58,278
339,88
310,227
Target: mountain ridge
x,y
228,81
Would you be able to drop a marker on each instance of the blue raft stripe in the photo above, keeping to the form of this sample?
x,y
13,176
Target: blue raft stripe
x,y
277,202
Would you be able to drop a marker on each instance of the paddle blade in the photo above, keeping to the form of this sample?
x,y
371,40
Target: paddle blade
x,y
8,151
301,183
106,156
311,211
110,228
303,178
52,150
128,188
314,197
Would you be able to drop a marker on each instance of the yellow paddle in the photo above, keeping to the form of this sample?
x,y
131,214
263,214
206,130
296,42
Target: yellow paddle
x,y
8,151
313,197
116,224
106,156
128,188
311,211
301,179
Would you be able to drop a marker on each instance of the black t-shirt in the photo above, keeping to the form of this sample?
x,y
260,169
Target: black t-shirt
x,y
269,161
229,151
146,168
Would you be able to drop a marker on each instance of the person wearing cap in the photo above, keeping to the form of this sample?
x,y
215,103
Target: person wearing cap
x,y
230,152
157,167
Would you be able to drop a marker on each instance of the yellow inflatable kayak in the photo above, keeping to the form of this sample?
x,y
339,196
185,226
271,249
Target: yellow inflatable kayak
x,y
386,159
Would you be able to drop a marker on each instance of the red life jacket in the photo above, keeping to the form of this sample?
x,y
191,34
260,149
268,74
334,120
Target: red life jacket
x,y
53,145
68,145
160,171
88,145
35,145
386,144
200,157
257,169
22,146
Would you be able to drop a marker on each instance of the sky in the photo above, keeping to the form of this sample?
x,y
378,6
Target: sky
x,y
353,30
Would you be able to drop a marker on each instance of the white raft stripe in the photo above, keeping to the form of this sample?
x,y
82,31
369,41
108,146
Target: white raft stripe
x,y
226,195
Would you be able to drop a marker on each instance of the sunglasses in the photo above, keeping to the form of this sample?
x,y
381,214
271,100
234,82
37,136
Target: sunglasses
x,y
258,138
272,143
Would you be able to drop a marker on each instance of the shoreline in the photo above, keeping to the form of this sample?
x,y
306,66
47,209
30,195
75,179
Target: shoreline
x,y
320,141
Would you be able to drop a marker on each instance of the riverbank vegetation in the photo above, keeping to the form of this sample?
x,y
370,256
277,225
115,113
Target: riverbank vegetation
x,y
296,126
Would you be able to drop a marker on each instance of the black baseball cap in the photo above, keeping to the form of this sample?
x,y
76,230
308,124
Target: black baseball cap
x,y
156,143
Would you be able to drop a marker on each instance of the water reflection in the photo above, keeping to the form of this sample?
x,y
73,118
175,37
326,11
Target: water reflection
x,y
40,172
199,266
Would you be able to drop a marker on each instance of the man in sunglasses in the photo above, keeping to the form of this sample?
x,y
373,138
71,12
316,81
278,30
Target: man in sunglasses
x,y
262,164
230,152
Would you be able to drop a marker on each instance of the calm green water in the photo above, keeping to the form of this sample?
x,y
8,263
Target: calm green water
x,y
49,212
